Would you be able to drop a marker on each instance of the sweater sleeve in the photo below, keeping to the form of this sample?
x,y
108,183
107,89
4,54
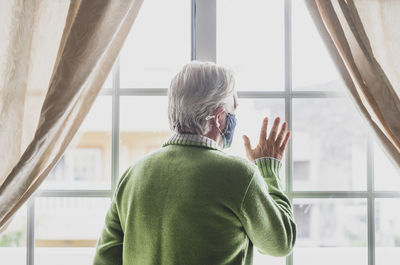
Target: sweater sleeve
x,y
266,212
109,245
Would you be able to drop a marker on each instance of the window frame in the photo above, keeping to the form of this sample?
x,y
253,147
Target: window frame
x,y
203,47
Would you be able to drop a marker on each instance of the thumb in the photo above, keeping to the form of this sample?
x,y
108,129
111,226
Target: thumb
x,y
247,143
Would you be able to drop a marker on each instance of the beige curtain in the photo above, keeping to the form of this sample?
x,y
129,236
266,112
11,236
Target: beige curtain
x,y
55,56
363,38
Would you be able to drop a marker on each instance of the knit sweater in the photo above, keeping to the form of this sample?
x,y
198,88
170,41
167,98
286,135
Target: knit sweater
x,y
191,203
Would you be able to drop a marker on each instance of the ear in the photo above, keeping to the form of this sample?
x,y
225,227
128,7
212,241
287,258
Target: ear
x,y
218,116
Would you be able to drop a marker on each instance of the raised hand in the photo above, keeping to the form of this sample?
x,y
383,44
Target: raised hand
x,y
272,146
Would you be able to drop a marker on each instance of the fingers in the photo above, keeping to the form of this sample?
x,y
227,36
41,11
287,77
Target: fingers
x,y
247,143
281,134
272,134
263,133
285,141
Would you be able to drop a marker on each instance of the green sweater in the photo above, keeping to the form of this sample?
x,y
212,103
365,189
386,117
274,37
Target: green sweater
x,y
190,203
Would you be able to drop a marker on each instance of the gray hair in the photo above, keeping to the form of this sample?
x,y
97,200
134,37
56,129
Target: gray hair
x,y
195,92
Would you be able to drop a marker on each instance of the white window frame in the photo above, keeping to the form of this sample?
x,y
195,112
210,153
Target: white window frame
x,y
203,47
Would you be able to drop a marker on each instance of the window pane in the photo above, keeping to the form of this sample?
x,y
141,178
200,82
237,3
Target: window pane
x,y
329,145
262,259
331,231
313,68
158,44
86,164
144,127
67,229
385,175
250,40
250,114
387,225
13,240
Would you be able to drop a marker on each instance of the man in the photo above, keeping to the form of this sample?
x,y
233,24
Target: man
x,y
191,203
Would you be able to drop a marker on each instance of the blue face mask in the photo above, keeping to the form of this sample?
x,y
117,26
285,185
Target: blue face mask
x,y
227,134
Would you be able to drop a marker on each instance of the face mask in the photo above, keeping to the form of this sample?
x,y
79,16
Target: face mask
x,y
227,134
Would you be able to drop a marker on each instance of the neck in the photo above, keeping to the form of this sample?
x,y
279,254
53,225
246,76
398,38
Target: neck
x,y
214,134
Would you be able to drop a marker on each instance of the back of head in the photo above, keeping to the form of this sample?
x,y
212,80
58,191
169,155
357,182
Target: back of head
x,y
195,92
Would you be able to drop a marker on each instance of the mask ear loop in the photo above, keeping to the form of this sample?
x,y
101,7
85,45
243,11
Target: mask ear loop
x,y
209,118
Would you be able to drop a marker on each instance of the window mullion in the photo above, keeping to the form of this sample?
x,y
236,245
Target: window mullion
x,y
115,126
205,28
371,201
193,30
288,102
30,231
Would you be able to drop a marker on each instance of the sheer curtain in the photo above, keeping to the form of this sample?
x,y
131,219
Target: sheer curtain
x,y
55,57
363,38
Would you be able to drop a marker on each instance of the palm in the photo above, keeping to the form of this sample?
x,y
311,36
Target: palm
x,y
272,146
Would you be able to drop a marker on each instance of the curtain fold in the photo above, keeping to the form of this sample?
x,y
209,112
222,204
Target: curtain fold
x,y
60,53
363,40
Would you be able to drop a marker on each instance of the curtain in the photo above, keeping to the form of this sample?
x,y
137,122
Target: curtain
x,y
363,38
55,57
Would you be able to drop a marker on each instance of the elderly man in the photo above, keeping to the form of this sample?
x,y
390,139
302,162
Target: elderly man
x,y
191,203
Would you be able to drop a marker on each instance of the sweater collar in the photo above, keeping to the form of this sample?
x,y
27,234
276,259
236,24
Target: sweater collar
x,y
193,140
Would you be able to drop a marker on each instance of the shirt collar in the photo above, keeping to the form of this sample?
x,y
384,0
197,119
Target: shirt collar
x,y
193,140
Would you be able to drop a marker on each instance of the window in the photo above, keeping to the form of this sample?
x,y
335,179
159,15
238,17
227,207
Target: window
x,y
13,242
303,220
301,170
331,231
343,187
